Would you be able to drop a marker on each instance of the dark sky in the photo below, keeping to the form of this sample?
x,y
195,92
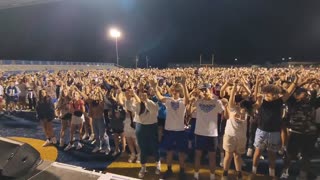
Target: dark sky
x,y
253,31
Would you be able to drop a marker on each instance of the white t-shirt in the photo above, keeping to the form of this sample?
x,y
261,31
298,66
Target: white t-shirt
x,y
148,117
237,123
207,117
176,111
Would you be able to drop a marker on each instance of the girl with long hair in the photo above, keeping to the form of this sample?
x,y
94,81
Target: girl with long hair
x,y
77,109
64,114
45,113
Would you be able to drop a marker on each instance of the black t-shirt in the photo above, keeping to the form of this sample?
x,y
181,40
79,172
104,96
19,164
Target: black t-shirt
x,y
270,115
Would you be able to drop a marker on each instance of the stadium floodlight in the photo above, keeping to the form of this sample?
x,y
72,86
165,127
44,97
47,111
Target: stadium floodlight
x,y
290,58
283,59
115,33
236,59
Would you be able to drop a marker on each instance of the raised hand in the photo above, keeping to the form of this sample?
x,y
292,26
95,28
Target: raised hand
x,y
153,82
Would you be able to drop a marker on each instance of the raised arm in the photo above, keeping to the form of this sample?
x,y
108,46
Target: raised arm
x,y
232,102
154,84
244,84
185,90
223,89
291,88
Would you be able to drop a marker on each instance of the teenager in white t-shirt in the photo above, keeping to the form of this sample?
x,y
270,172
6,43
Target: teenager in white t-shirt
x,y
206,130
145,113
234,139
175,137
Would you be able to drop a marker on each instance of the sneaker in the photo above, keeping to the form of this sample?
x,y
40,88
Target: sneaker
x,y
249,152
85,136
96,149
138,159
116,152
284,175
68,147
281,151
158,168
142,172
91,138
54,140
61,143
107,151
167,174
132,158
47,143
93,142
79,146
262,157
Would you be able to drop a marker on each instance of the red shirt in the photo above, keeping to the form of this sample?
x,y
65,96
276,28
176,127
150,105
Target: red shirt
x,y
77,105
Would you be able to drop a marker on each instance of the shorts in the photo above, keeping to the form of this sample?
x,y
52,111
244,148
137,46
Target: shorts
x,y
206,143
161,122
66,117
130,132
267,140
117,131
234,144
303,143
175,140
77,120
11,99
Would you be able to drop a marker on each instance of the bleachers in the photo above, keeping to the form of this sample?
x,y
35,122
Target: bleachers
x,y
22,65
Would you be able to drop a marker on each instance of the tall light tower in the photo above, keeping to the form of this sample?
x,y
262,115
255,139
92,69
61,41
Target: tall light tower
x,y
115,33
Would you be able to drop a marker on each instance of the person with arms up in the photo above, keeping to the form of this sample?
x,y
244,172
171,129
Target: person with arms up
x,y
269,119
206,129
175,137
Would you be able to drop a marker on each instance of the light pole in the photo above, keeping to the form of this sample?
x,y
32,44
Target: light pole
x,y
115,33
137,59
147,61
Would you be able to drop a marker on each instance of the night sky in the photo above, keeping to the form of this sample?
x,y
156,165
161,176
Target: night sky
x,y
253,31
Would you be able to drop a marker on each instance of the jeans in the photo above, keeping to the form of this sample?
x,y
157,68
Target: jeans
x,y
101,136
147,136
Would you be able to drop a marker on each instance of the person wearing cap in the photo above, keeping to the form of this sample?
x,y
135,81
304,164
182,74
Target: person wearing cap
x,y
175,137
206,130
269,119
303,129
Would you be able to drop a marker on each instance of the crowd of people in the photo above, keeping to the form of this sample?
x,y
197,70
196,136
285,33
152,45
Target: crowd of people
x,y
233,111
